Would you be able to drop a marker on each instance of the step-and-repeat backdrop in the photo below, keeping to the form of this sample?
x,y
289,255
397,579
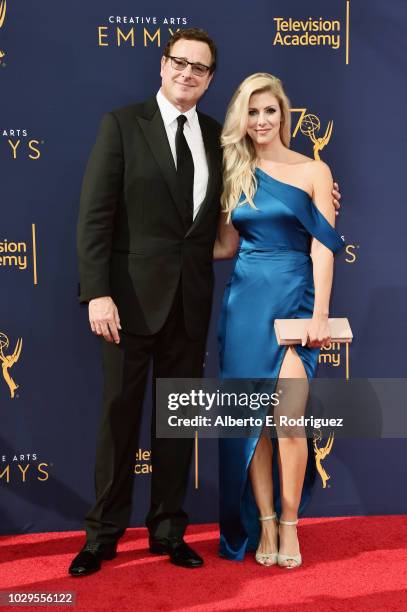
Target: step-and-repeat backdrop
x,y
62,65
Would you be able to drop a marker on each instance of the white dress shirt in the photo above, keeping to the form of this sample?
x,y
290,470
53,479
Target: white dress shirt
x,y
193,136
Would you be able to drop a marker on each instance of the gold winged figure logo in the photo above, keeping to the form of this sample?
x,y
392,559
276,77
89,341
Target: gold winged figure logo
x,y
321,453
3,8
311,125
7,361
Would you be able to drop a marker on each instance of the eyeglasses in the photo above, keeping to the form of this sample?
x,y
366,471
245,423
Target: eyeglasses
x,y
180,63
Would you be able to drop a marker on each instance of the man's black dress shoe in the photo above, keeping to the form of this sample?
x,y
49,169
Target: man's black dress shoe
x,y
179,552
89,560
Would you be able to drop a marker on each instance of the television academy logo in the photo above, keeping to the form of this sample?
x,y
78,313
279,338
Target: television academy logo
x,y
330,354
3,8
143,462
321,32
20,255
309,32
14,254
8,359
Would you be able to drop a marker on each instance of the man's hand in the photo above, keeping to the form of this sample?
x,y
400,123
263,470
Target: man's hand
x,y
336,196
104,318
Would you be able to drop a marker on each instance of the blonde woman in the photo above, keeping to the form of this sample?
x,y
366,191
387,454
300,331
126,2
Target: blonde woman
x,y
278,215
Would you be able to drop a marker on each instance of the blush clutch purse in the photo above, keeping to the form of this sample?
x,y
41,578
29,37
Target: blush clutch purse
x,y
290,331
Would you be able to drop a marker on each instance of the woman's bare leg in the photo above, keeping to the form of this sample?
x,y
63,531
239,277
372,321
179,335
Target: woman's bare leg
x,y
292,448
262,484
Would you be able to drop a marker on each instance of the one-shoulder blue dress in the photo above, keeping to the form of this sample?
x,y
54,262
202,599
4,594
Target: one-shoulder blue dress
x,y
272,279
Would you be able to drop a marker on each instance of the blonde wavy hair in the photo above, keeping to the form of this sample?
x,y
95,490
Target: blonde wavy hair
x,y
239,155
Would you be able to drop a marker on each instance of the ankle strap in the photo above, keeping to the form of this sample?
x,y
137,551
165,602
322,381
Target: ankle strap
x,y
288,522
268,518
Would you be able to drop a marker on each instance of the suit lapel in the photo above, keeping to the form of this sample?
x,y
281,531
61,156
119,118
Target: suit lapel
x,y
212,155
154,130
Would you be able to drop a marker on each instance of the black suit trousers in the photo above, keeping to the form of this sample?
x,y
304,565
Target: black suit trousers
x,y
126,367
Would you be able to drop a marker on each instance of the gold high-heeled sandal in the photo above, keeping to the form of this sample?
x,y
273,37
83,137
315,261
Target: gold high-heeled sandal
x,y
282,559
266,559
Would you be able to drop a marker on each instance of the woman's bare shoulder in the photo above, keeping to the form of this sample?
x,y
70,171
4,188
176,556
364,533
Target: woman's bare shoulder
x,y
320,170
316,170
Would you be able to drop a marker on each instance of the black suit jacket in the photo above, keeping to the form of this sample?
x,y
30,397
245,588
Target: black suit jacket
x,y
132,241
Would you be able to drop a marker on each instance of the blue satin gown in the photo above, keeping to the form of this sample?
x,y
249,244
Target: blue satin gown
x,y
272,279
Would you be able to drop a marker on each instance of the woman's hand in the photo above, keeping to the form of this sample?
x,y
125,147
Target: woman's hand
x,y
318,333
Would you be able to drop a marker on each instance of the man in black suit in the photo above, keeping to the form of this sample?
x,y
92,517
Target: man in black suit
x,y
147,224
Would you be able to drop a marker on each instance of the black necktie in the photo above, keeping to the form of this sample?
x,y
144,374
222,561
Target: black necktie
x,y
185,171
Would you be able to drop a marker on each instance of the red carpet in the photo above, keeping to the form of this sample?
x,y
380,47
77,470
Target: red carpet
x,y
355,563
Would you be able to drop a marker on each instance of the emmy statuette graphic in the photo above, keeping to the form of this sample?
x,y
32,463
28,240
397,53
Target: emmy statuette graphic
x,y
7,361
321,453
311,125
